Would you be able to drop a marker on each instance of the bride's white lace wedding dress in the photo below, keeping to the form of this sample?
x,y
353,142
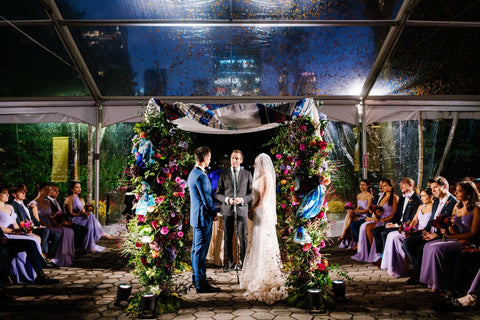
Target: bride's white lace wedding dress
x,y
262,275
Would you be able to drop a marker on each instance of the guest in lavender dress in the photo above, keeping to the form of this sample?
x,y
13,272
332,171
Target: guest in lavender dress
x,y
395,260
21,268
364,201
366,251
75,207
42,211
466,218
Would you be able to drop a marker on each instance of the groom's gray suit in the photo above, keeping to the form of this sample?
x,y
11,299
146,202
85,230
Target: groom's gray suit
x,y
223,193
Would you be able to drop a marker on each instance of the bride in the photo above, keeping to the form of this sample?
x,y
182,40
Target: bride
x,y
262,275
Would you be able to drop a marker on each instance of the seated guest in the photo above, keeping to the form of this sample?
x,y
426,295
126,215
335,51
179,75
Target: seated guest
x,y
27,246
355,225
394,260
366,246
442,206
364,201
20,266
79,231
50,239
406,209
75,208
465,227
42,211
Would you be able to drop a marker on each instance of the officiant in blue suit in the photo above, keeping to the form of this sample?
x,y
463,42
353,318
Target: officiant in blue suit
x,y
202,213
234,191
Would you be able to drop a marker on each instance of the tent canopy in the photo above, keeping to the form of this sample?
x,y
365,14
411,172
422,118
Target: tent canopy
x,y
100,62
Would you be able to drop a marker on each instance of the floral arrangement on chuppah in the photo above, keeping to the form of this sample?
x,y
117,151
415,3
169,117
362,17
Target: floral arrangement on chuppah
x,y
155,243
303,175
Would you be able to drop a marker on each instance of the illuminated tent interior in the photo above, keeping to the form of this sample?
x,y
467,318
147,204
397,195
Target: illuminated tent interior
x,y
365,61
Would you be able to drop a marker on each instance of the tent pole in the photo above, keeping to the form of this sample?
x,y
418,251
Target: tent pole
x,y
453,128
96,158
420,150
90,164
364,142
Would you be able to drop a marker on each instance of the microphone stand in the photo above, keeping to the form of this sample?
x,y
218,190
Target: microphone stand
x,y
235,229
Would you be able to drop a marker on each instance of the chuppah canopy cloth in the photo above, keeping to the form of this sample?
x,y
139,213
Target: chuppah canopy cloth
x,y
234,118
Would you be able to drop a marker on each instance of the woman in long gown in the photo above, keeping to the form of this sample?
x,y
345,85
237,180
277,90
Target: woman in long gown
x,y
21,269
367,251
75,207
42,211
466,217
262,275
395,260
364,201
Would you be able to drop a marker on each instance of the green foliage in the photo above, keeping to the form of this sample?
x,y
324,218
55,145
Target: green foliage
x,y
156,240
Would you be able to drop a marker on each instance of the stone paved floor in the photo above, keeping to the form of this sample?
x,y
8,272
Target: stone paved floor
x,y
88,291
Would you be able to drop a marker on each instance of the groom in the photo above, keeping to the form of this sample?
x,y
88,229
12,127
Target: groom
x,y
202,213
234,199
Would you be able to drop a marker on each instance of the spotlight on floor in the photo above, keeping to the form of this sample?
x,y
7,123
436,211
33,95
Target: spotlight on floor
x,y
123,293
314,300
148,305
338,287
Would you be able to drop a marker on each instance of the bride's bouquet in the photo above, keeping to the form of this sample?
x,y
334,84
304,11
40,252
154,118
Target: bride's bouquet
x,y
27,226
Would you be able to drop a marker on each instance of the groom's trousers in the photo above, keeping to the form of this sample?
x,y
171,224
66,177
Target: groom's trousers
x,y
200,244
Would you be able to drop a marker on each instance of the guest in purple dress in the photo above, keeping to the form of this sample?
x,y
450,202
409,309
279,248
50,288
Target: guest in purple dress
x,y
466,219
364,201
42,211
366,251
21,268
395,260
75,207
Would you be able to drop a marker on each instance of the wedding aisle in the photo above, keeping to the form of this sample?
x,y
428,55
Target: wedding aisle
x,y
88,291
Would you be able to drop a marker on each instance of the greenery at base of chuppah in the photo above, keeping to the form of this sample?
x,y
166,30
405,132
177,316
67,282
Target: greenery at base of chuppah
x,y
156,237
303,175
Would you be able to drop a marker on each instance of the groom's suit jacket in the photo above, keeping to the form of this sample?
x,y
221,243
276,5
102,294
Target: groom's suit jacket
x,y
202,208
225,189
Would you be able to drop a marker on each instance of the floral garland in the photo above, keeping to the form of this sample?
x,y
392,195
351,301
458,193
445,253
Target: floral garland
x,y
155,243
303,173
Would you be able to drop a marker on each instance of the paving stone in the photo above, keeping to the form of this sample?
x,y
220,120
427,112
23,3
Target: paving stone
x,y
223,316
204,314
262,315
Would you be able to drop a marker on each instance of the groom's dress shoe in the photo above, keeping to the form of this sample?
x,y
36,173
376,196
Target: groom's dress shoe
x,y
228,266
208,289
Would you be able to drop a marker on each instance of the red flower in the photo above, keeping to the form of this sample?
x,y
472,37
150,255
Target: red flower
x,y
143,260
154,224
141,218
321,266
138,245
322,145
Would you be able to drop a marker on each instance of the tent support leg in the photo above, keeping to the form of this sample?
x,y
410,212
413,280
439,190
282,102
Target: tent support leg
x,y
453,128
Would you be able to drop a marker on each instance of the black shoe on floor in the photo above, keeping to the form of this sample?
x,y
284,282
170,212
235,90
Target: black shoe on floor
x,y
46,280
208,289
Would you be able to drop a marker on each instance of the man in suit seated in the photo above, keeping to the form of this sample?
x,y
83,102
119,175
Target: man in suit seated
x,y
49,240
79,231
9,248
443,206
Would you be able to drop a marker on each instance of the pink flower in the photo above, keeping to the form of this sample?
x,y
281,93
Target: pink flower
x,y
321,266
306,247
180,234
321,214
285,172
161,180
303,128
137,197
322,244
154,224
299,163
141,218
283,205
278,156
164,230
160,199
181,195
177,179
294,203
317,251
303,147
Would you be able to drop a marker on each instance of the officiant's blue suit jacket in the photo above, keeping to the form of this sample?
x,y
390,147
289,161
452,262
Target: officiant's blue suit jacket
x,y
202,209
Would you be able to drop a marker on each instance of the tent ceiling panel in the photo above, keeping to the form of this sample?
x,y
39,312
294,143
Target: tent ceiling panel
x,y
233,61
30,70
432,61
39,114
22,9
227,9
448,10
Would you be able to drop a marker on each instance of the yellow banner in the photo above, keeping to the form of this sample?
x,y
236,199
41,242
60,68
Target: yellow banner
x,y
60,159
